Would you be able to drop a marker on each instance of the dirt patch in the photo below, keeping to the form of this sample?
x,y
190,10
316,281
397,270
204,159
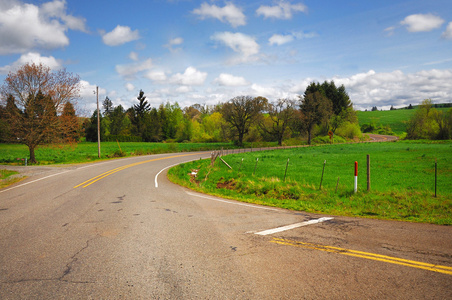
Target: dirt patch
x,y
228,184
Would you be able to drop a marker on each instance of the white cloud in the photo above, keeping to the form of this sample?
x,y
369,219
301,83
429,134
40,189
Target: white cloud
x,y
156,75
448,33
279,39
129,71
120,35
397,88
129,87
191,76
88,95
133,56
26,26
230,80
283,10
32,57
174,42
229,13
241,43
422,22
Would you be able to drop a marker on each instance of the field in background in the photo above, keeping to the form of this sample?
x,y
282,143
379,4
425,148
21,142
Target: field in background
x,y
396,119
402,180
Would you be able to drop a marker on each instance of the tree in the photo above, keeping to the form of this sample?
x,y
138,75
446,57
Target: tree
x,y
91,130
108,107
281,115
118,121
315,108
34,97
69,124
240,112
139,117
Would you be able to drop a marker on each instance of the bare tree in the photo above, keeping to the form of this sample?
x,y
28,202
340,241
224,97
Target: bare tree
x,y
280,114
34,97
240,112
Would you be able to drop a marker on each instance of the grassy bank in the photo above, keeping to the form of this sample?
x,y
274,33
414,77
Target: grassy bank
x,y
402,180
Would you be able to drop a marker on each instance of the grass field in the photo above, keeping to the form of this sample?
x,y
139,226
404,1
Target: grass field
x,y
86,152
396,119
402,180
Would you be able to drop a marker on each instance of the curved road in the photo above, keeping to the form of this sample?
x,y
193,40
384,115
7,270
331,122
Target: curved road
x,y
108,231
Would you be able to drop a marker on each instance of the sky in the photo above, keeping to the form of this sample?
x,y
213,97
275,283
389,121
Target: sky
x,y
385,53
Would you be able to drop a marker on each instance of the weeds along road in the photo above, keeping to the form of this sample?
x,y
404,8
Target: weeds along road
x,y
106,231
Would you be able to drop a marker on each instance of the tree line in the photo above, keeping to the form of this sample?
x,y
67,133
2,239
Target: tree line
x,y
323,108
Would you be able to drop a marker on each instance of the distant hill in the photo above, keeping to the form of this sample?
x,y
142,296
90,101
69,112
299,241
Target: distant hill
x,y
396,119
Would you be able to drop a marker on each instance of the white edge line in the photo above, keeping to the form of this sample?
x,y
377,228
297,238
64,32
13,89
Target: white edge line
x,y
156,176
230,202
293,226
34,181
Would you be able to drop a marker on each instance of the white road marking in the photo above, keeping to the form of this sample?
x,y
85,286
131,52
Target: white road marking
x,y
34,181
230,202
296,225
156,176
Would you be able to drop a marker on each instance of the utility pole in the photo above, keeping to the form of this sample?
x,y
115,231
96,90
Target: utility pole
x,y
98,123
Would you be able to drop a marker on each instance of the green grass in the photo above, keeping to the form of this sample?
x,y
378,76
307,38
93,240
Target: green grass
x,y
402,180
85,152
5,177
395,119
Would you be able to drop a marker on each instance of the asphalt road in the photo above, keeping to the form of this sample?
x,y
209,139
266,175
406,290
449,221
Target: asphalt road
x,y
106,231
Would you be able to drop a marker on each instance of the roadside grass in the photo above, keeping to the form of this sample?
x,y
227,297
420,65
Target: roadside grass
x,y
5,178
395,119
15,154
402,180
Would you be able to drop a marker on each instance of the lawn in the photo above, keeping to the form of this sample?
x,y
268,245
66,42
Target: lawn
x,y
402,179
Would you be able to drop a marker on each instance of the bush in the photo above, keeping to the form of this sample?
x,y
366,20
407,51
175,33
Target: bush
x,y
121,138
349,131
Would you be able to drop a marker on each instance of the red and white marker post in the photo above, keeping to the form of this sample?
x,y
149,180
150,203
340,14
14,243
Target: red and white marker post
x,y
356,176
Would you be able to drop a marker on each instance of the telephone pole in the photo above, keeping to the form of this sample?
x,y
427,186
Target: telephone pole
x,y
98,123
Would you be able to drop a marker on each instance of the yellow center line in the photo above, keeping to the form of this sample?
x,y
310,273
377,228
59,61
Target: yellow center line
x,y
110,172
367,255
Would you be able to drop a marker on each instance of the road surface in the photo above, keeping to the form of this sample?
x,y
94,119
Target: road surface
x,y
116,230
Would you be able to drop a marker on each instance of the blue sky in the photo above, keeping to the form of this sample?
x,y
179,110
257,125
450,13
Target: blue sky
x,y
384,52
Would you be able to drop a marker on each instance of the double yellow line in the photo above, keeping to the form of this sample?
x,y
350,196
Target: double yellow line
x,y
367,255
108,173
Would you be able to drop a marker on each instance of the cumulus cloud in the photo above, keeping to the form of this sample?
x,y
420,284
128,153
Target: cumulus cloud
x,y
88,95
422,22
278,39
32,57
448,33
245,45
133,56
174,42
191,76
283,10
129,71
397,88
26,26
120,35
156,75
230,80
129,86
229,13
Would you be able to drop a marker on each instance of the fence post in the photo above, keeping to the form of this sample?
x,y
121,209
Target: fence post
x,y
436,172
368,172
356,177
241,165
321,179
255,166
285,173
